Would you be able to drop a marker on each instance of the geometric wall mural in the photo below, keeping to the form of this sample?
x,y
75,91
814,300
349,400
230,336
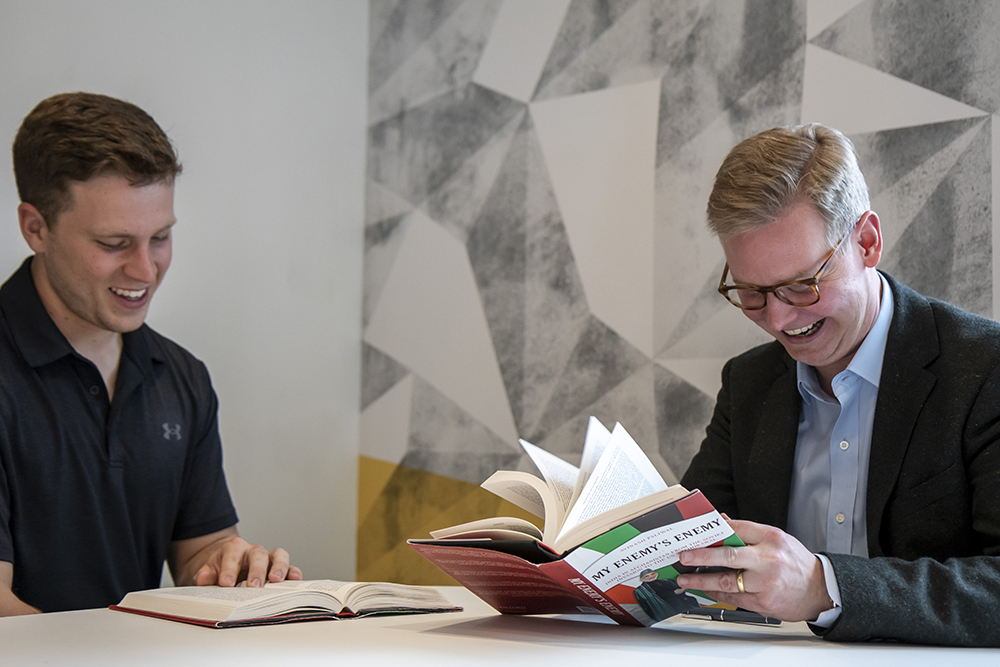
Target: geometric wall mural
x,y
535,246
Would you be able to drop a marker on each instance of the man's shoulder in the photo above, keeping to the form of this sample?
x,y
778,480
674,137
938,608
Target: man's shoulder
x,y
953,325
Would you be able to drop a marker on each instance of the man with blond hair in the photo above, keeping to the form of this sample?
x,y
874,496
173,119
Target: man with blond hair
x,y
858,455
110,458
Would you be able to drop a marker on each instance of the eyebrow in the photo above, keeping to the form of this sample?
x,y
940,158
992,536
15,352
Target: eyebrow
x,y
123,235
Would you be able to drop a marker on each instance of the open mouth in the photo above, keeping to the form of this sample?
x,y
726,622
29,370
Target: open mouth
x,y
131,295
804,331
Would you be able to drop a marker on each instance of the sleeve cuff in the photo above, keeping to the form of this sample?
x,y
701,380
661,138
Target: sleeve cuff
x,y
828,617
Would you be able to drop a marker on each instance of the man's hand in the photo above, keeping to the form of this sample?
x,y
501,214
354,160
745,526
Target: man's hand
x,y
225,558
781,578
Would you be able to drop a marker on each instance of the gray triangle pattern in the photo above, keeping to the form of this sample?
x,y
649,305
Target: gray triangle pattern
x,y
417,150
638,46
470,159
379,374
727,55
525,273
946,251
682,413
446,440
397,28
949,47
600,361
886,157
585,22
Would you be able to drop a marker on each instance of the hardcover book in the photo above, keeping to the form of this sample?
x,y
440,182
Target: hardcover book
x,y
614,546
282,602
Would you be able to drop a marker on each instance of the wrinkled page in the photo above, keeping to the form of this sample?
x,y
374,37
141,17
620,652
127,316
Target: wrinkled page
x,y
593,446
624,473
560,475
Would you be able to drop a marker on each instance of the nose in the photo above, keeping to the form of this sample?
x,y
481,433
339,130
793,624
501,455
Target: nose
x,y
140,265
777,313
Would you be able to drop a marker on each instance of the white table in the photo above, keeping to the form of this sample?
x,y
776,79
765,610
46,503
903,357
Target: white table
x,y
477,636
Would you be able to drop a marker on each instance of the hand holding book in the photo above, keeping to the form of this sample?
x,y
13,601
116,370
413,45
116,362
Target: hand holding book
x,y
611,544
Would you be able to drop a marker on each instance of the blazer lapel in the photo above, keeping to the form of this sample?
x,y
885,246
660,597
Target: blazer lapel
x,y
903,388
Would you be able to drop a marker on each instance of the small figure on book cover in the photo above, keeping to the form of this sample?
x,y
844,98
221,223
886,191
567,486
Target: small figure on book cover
x,y
662,598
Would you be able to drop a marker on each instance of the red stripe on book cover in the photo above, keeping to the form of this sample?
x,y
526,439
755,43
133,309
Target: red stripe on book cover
x,y
694,504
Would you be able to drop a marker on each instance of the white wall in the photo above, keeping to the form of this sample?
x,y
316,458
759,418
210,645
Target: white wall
x,y
265,102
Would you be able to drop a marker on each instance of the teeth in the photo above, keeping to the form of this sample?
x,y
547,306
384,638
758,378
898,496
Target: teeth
x,y
129,294
803,330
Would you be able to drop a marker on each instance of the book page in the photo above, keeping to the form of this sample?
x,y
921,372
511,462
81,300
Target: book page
x,y
560,475
364,597
623,474
593,446
529,493
502,527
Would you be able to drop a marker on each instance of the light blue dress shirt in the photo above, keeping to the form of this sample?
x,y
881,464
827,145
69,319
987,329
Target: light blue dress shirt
x,y
826,510
827,503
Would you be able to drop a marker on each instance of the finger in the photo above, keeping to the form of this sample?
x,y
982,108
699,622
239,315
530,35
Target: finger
x,y
279,565
294,573
751,532
715,582
725,556
231,561
206,576
257,560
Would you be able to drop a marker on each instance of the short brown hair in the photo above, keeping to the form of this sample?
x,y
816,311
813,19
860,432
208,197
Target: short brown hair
x,y
77,136
765,174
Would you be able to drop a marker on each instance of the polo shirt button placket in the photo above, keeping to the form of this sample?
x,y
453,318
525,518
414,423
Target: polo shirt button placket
x,y
94,390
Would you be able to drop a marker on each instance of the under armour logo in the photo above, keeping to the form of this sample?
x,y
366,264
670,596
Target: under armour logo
x,y
171,431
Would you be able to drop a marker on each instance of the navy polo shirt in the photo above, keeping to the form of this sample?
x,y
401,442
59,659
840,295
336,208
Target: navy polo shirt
x,y
92,492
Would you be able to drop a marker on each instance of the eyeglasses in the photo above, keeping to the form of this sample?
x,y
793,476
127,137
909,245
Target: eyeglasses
x,y
804,292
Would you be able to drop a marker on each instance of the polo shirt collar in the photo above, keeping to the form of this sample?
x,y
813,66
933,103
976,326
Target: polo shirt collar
x,y
38,338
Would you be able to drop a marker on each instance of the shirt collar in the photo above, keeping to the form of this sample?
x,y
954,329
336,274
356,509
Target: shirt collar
x,y
35,334
38,338
867,361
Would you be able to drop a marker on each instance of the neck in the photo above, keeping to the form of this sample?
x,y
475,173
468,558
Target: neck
x,y
827,373
100,346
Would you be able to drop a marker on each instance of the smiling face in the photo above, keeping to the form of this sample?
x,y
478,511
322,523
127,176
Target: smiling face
x,y
828,333
97,267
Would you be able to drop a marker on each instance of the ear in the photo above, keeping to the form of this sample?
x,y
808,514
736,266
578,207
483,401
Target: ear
x,y
870,239
33,227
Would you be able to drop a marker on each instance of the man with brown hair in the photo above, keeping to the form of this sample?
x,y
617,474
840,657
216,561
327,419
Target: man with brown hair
x,y
859,453
110,458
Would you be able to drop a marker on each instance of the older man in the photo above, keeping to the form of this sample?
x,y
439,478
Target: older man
x,y
110,459
858,453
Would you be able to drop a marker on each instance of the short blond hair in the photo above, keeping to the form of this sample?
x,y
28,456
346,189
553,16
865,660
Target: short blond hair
x,y
763,175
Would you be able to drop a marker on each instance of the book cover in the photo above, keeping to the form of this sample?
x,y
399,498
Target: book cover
x,y
627,573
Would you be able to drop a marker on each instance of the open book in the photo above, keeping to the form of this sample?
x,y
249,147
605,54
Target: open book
x,y
282,602
610,544
614,483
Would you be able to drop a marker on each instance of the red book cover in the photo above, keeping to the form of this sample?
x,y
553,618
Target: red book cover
x,y
509,584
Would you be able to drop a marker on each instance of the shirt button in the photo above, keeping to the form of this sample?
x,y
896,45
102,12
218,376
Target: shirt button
x,y
841,518
94,390
844,445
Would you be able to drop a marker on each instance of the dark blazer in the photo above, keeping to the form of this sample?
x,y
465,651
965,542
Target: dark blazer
x,y
933,506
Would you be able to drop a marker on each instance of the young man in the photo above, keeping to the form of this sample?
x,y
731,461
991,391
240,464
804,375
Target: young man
x,y
110,458
867,433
